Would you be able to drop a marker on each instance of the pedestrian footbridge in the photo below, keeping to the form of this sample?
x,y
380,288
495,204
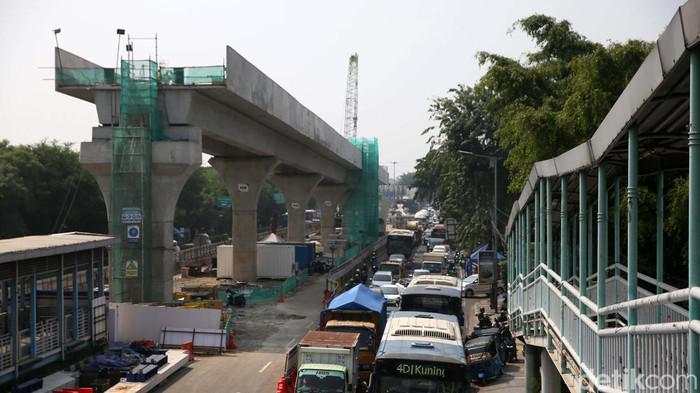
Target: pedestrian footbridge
x,y
577,294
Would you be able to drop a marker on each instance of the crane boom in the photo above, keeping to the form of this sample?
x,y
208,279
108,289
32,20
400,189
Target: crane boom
x,y
350,128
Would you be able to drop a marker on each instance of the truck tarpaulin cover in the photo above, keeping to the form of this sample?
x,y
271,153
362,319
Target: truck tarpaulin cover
x,y
360,298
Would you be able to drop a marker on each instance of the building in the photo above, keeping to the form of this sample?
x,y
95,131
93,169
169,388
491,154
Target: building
x,y
38,325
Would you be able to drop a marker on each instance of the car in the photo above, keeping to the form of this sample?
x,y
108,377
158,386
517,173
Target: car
x,y
392,294
444,248
420,272
382,277
469,285
397,258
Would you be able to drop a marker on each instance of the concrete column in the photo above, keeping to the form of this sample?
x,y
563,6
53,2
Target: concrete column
x,y
173,161
328,198
297,190
549,375
244,179
533,382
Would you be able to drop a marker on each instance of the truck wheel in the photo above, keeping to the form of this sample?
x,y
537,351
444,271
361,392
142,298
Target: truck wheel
x,y
469,293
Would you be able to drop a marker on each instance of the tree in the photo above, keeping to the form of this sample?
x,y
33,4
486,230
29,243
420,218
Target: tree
x,y
558,97
461,186
522,111
44,190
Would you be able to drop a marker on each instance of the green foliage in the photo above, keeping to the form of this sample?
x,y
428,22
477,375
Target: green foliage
x,y
197,205
524,111
557,99
44,190
460,185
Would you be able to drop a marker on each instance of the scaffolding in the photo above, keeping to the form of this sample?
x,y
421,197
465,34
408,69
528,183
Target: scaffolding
x,y
139,124
361,212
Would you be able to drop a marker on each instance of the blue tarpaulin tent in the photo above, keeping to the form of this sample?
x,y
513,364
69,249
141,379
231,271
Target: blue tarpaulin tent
x,y
360,298
473,260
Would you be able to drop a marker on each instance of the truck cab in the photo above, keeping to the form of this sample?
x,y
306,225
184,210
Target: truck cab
x,y
324,362
317,377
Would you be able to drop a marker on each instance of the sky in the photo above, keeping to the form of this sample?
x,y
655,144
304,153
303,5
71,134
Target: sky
x,y
410,52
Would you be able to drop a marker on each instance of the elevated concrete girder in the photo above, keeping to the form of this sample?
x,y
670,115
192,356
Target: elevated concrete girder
x,y
172,163
297,190
221,123
328,198
244,179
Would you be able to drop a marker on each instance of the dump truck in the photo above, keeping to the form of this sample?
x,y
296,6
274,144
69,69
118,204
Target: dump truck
x,y
324,362
358,310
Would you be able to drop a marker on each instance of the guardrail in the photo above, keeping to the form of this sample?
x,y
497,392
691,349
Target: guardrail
x,y
341,273
659,341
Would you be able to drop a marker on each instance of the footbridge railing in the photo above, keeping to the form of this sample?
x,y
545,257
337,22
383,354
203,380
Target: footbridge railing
x,y
543,306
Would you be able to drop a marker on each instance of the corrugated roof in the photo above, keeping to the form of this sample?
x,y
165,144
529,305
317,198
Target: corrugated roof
x,y
21,248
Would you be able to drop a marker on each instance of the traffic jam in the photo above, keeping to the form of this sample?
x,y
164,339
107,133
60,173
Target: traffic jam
x,y
401,324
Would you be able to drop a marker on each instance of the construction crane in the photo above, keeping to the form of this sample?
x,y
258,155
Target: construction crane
x,y
350,129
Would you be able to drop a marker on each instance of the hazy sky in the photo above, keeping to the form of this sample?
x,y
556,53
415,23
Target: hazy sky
x,y
409,52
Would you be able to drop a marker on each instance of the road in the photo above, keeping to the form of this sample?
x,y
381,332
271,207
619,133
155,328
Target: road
x,y
264,332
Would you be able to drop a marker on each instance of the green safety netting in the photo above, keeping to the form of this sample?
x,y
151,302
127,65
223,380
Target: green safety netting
x,y
87,76
169,76
139,124
210,75
361,211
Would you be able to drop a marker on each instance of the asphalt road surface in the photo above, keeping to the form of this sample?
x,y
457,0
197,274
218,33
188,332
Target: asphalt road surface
x,y
266,332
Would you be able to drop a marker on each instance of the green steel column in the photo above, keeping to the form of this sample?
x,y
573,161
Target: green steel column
x,y
536,218
548,223
694,209
632,239
616,245
583,239
602,258
589,248
543,235
564,232
574,244
528,232
517,245
659,238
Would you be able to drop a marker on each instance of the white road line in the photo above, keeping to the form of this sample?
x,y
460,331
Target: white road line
x,y
265,367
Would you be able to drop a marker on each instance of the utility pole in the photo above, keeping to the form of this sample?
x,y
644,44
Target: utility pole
x,y
395,186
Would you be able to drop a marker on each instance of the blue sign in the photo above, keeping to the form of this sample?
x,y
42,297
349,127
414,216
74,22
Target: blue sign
x,y
223,202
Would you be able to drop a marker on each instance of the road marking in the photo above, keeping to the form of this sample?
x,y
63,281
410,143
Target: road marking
x,y
265,367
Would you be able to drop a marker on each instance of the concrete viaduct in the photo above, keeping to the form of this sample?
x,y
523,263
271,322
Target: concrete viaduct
x,y
255,131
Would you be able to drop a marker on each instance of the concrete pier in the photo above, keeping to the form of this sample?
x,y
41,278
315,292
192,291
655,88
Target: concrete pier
x,y
244,179
173,161
297,190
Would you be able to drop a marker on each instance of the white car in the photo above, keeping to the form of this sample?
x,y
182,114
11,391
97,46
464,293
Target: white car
x,y
382,278
392,294
397,258
469,285
443,248
420,272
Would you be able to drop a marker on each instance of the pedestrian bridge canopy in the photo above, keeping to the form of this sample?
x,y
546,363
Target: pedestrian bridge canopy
x,y
574,235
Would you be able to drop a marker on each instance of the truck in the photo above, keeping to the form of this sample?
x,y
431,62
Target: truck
x,y
434,262
358,310
324,362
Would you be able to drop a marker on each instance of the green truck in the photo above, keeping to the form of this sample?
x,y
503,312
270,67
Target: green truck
x,y
324,362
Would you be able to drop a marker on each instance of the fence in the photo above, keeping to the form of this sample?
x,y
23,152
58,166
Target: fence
x,y
659,342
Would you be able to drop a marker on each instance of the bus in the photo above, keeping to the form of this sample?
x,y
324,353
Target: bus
x,y
420,352
434,299
400,241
